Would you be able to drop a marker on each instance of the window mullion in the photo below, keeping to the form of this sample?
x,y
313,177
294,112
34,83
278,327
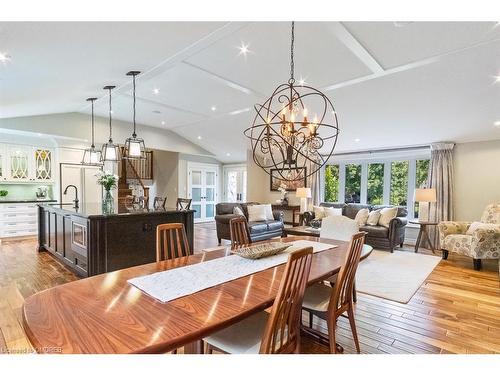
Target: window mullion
x,y
412,171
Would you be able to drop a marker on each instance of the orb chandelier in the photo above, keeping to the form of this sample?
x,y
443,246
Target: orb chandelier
x,y
282,136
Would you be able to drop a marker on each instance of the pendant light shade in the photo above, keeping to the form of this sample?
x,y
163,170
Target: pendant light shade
x,y
91,156
134,146
110,151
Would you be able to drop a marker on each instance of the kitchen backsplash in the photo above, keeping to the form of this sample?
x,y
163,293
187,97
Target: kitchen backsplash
x,y
24,191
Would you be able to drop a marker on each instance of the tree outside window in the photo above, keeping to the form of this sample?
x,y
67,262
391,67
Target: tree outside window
x,y
352,183
399,183
421,178
375,183
332,183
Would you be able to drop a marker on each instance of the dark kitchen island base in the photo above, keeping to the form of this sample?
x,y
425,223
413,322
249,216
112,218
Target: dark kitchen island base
x,y
91,243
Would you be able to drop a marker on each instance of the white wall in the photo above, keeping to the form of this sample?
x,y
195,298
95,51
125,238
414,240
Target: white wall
x,y
477,178
165,177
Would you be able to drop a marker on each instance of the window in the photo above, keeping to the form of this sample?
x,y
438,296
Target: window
x,y
421,176
353,183
399,183
378,181
375,183
332,183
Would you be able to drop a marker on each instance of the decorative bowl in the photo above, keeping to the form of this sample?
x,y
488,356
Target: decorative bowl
x,y
261,250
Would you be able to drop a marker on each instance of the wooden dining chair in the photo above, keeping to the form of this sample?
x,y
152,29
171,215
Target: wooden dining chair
x,y
239,232
159,203
143,202
183,204
171,242
279,331
329,303
129,200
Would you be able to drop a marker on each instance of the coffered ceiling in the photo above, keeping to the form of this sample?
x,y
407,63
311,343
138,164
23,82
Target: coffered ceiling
x,y
393,84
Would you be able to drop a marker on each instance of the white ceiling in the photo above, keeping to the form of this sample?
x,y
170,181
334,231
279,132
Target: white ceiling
x,y
391,85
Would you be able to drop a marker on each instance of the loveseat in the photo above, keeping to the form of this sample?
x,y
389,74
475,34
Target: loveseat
x,y
259,230
377,236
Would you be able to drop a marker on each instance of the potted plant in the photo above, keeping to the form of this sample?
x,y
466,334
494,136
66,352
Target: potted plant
x,y
3,194
284,193
108,181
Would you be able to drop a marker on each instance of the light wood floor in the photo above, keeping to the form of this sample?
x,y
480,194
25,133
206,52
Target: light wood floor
x,y
456,310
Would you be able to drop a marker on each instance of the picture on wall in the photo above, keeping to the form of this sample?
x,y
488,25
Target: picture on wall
x,y
276,181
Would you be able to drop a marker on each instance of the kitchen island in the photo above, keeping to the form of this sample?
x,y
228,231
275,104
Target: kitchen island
x,y
91,242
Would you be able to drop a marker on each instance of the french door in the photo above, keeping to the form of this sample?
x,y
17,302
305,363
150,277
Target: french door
x,y
235,183
202,189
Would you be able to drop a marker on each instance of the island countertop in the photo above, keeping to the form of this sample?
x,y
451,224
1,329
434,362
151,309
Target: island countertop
x,y
94,210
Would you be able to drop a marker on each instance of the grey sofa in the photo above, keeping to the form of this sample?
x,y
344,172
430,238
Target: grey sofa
x,y
377,235
259,230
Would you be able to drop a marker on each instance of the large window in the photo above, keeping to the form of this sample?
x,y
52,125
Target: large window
x,y
399,183
353,183
332,183
374,181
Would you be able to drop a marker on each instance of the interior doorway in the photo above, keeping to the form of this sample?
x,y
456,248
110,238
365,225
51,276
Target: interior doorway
x,y
202,189
235,183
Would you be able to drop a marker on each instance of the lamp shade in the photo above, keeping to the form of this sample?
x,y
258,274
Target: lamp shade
x,y
425,195
303,193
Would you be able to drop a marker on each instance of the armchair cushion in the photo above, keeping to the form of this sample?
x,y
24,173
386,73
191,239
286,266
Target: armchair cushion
x,y
446,228
486,243
458,243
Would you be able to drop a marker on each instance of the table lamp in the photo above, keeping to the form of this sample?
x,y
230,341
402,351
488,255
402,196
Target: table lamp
x,y
425,195
303,194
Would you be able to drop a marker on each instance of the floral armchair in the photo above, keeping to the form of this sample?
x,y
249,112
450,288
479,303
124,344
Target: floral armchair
x,y
477,240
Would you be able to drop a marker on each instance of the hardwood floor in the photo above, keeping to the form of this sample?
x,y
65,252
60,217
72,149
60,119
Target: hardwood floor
x,y
456,310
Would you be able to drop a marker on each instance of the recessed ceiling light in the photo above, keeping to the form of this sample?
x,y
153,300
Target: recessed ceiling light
x,y
199,137
163,122
156,91
157,112
243,49
214,108
228,154
4,57
497,123
357,140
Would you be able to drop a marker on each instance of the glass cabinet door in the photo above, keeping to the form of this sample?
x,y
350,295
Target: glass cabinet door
x,y
43,164
19,163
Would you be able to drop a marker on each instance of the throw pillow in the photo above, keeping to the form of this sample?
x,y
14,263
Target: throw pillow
x,y
319,212
257,212
331,211
269,212
386,215
478,225
362,216
238,211
373,217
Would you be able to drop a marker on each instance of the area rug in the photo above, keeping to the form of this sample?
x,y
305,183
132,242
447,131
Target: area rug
x,y
394,276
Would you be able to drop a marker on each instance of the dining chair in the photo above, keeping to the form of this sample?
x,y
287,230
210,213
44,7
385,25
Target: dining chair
x,y
171,242
277,332
239,232
129,200
183,204
159,203
329,303
143,202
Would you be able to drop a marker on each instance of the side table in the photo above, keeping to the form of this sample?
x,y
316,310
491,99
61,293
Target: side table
x,y
424,233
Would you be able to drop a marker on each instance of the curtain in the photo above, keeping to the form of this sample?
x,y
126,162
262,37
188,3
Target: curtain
x,y
314,184
441,179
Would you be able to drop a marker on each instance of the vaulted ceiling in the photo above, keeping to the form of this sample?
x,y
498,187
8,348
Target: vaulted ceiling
x,y
393,84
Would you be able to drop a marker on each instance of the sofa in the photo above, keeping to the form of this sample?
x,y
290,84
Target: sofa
x,y
259,230
377,236
480,242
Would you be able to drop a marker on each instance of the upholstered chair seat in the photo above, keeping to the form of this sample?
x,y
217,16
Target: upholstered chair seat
x,y
317,297
479,240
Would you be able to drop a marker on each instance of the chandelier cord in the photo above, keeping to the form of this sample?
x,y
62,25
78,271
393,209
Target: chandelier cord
x,y
134,134
110,112
292,67
92,146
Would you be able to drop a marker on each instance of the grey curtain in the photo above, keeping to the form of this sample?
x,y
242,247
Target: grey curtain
x,y
441,179
314,183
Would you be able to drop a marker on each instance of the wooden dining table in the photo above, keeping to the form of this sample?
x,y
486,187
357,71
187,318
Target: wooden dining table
x,y
106,314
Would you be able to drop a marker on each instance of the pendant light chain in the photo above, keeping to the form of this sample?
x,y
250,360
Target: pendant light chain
x,y
292,65
93,146
110,114
134,134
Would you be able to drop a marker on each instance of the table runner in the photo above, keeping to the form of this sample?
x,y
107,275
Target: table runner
x,y
179,282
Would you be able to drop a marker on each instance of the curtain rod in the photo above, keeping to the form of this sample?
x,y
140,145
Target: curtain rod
x,y
381,150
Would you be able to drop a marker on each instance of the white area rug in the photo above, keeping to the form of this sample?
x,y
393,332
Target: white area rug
x,y
395,276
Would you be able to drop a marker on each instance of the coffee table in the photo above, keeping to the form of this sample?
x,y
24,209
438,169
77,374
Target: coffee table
x,y
302,230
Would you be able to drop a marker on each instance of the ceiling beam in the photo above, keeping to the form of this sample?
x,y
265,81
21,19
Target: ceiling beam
x,y
344,35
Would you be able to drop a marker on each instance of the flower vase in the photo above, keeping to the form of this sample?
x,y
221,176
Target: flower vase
x,y
108,203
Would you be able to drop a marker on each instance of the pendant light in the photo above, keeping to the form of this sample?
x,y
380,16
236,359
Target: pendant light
x,y
134,147
284,144
110,151
91,156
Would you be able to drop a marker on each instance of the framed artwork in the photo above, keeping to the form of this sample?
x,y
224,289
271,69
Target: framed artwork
x,y
276,181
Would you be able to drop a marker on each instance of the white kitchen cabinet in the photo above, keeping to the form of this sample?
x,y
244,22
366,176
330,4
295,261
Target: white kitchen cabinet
x,y
20,163
18,219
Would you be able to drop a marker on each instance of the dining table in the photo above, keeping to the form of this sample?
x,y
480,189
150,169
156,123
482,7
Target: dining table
x,y
106,314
